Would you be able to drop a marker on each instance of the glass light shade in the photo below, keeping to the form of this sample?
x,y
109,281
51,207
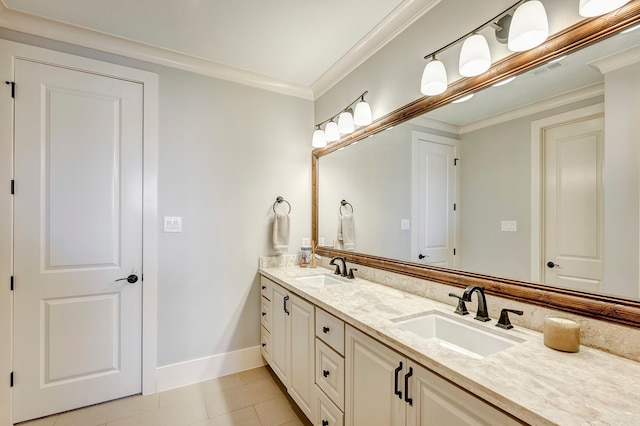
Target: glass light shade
x,y
362,114
345,123
331,132
319,140
475,57
434,78
590,8
529,26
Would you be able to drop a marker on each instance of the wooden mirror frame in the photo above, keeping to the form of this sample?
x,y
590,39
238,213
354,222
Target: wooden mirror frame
x,y
602,307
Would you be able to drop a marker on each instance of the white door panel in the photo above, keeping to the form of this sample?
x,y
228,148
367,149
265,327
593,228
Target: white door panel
x,y
78,229
574,204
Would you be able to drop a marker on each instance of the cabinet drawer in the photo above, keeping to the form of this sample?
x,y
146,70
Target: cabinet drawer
x,y
330,373
265,344
327,414
265,287
265,313
331,330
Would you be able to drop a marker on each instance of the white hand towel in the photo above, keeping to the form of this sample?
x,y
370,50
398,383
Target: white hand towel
x,y
281,232
347,231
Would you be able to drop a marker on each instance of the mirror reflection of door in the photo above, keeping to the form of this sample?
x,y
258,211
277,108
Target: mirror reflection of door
x,y
573,211
434,178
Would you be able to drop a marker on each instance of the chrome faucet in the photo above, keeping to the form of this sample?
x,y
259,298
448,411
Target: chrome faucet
x,y
481,314
344,266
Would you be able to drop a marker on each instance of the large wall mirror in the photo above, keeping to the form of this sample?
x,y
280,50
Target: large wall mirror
x,y
530,188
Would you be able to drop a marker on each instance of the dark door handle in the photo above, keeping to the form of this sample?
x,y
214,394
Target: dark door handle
x,y
422,256
406,386
131,279
552,265
396,390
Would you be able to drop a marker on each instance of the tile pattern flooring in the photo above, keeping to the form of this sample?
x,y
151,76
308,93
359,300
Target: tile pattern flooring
x,y
250,398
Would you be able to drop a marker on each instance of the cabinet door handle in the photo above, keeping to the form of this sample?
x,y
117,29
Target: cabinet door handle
x,y
325,373
325,330
406,386
396,390
285,304
325,423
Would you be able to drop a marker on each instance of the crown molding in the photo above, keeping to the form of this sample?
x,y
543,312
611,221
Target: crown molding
x,y
544,105
397,21
84,37
618,60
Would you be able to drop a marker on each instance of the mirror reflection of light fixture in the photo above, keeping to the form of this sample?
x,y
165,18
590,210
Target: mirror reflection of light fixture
x,y
434,78
475,57
348,119
503,82
589,8
319,139
529,26
463,99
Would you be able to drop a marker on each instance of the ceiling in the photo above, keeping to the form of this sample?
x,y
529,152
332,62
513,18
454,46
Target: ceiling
x,y
284,42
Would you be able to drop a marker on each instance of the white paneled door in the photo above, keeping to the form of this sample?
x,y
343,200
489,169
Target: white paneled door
x,y
78,232
574,204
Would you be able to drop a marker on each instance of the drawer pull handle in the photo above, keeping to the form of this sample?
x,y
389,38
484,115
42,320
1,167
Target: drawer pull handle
x,y
325,330
406,386
264,314
264,345
325,373
325,423
396,391
264,287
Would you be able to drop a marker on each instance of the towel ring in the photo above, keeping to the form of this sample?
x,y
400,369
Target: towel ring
x,y
344,203
280,200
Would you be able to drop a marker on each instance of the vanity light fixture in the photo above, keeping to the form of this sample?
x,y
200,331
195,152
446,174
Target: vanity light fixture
x,y
589,8
348,119
475,57
434,78
529,26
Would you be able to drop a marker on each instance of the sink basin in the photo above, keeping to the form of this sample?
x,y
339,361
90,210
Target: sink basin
x,y
456,334
319,280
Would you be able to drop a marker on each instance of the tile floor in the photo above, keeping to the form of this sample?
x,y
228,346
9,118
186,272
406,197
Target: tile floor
x,y
251,398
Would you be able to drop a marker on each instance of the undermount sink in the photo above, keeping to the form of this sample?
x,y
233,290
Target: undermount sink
x,y
456,334
319,280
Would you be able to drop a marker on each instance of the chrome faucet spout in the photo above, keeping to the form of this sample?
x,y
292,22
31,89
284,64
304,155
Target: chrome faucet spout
x,y
482,313
344,266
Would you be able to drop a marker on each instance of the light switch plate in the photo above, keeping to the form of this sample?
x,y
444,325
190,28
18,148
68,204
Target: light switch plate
x,y
172,224
404,224
509,226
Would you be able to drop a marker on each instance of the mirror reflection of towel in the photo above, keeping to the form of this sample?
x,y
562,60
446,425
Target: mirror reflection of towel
x,y
347,231
281,233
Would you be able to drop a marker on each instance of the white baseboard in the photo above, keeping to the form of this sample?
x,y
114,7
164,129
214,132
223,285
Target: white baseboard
x,y
197,370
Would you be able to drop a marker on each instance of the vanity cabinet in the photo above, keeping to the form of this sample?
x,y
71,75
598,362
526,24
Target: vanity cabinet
x,y
385,388
291,349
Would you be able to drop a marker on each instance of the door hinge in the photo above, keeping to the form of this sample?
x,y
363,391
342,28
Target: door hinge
x,y
11,282
13,187
11,380
455,161
13,88
454,252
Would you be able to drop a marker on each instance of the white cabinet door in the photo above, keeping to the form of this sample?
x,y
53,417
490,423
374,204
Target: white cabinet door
x,y
302,336
435,402
279,331
372,397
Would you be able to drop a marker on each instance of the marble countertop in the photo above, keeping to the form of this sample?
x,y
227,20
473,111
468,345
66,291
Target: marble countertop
x,y
531,382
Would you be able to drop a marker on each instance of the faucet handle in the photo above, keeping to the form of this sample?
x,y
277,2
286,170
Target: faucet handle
x,y
351,270
461,309
504,322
